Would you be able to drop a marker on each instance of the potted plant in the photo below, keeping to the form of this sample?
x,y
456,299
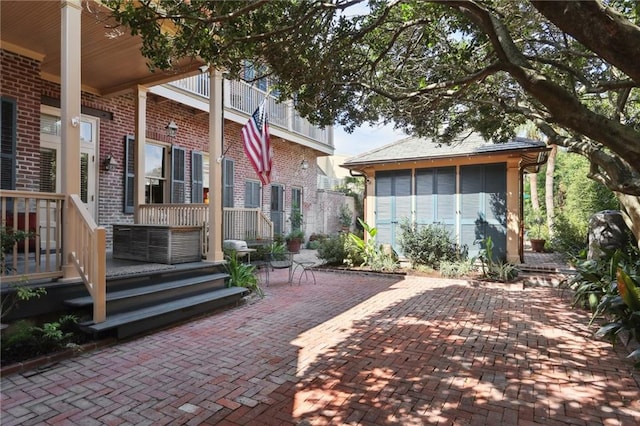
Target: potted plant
x,y
535,235
294,240
345,217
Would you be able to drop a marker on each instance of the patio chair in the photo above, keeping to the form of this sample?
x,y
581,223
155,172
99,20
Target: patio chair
x,y
280,261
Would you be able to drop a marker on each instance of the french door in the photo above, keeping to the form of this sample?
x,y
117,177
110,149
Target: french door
x,y
51,156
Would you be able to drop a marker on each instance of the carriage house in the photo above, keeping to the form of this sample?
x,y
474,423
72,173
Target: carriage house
x,y
471,187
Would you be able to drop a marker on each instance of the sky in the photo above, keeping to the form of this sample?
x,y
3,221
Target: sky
x,y
364,139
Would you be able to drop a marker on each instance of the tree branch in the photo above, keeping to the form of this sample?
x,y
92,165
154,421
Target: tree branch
x,y
617,38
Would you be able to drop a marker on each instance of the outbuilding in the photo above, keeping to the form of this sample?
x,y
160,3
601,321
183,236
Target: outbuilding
x,y
472,186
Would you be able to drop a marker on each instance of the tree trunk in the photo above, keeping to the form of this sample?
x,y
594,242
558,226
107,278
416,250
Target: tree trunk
x,y
631,213
548,188
533,185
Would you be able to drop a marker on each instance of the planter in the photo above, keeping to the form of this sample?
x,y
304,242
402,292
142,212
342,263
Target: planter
x,y
157,243
293,245
537,245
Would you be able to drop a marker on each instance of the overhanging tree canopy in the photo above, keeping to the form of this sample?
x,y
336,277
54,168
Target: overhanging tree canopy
x,y
434,68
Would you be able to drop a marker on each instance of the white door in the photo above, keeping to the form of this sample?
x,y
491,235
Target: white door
x,y
50,159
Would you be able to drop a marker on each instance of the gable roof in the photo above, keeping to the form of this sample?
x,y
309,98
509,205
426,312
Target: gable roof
x,y
412,149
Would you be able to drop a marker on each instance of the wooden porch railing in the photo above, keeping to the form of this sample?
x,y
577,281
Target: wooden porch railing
x,y
238,223
38,214
89,256
246,224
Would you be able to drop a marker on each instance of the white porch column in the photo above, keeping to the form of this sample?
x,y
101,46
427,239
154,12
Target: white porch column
x,y
70,95
141,140
216,136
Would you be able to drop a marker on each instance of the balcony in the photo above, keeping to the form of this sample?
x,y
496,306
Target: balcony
x,y
241,99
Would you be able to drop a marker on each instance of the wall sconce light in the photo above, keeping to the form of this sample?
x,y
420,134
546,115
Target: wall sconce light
x,y
172,129
304,165
75,121
109,162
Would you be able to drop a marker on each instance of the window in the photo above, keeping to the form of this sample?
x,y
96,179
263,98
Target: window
x,y
197,176
251,194
154,173
8,114
227,182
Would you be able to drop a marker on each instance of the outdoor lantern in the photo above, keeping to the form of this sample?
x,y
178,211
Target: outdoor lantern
x,y
172,129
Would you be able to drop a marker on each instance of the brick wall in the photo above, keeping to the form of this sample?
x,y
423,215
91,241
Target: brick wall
x,y
20,79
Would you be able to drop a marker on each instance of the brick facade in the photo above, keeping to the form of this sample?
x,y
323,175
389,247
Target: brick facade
x,y
20,81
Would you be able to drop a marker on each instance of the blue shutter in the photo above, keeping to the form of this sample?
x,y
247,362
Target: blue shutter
x,y
393,204
483,192
445,189
425,214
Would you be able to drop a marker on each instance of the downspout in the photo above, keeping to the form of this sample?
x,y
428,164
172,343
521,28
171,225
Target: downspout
x,y
523,166
364,195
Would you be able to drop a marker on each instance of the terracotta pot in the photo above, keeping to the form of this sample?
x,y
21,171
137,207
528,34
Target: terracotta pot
x,y
293,245
537,245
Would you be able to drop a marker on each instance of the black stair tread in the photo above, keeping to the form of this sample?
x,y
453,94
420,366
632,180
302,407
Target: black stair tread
x,y
116,320
140,291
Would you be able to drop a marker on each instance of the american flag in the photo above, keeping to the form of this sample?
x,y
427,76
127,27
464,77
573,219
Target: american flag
x,y
257,145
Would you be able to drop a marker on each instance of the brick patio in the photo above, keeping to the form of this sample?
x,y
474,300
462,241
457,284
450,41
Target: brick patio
x,y
353,349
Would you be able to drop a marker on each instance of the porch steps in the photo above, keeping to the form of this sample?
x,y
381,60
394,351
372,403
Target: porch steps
x,y
122,300
129,323
140,302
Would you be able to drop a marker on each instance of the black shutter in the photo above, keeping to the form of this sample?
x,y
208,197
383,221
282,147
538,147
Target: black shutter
x,y
177,175
8,114
129,173
197,183
227,182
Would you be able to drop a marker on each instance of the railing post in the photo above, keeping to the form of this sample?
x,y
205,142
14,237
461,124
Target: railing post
x,y
100,277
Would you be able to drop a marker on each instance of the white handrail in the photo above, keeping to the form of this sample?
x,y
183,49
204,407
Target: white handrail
x,y
89,256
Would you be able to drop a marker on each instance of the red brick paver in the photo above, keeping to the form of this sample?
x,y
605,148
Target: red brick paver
x,y
352,349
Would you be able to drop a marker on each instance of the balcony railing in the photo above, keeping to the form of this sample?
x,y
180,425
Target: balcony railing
x,y
245,98
38,214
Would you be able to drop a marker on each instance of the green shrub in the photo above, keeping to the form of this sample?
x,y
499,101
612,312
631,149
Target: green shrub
x,y
457,268
610,287
568,238
23,340
332,250
242,275
428,245
497,270
368,253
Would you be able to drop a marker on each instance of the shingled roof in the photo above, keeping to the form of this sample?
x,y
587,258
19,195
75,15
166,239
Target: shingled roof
x,y
412,149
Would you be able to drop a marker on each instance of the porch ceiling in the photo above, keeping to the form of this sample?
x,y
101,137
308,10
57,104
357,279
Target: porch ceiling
x,y
111,58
